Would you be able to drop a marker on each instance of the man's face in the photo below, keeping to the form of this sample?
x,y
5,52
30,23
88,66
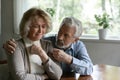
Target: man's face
x,y
65,36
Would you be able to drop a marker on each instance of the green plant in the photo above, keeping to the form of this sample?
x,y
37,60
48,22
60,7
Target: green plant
x,y
51,11
103,20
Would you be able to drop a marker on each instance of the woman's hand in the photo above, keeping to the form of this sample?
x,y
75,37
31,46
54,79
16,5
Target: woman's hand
x,y
40,52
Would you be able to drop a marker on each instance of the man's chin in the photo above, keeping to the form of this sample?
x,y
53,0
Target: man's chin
x,y
61,47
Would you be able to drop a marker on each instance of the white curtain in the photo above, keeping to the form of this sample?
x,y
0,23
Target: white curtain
x,y
20,6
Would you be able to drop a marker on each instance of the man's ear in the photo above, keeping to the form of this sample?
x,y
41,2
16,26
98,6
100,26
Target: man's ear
x,y
76,39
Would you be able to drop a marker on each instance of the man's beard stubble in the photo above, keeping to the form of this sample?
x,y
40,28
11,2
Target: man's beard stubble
x,y
60,44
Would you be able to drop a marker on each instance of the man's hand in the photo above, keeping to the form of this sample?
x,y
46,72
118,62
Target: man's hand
x,y
61,56
10,45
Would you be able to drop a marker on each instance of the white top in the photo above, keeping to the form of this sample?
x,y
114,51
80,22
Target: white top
x,y
35,61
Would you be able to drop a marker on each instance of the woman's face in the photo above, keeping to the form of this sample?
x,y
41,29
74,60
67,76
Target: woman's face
x,y
37,29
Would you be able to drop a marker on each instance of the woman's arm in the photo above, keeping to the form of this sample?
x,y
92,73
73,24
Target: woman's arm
x,y
51,67
17,65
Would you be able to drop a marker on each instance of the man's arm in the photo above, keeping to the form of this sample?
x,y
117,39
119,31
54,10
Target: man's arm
x,y
10,45
81,62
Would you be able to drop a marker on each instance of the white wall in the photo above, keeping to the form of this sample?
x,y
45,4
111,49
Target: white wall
x,y
104,52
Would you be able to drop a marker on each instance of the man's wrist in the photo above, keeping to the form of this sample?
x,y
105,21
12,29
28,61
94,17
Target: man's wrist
x,y
69,59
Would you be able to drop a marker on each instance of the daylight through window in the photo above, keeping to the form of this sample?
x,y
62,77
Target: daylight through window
x,y
84,10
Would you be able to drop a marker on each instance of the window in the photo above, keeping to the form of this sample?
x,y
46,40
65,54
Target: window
x,y
84,10
20,6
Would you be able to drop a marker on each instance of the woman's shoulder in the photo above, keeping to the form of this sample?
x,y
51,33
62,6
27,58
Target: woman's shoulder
x,y
43,41
20,42
46,45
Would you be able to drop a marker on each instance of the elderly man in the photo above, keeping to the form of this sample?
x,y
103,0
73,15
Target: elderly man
x,y
68,49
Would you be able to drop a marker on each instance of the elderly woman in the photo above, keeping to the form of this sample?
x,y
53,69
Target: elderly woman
x,y
32,58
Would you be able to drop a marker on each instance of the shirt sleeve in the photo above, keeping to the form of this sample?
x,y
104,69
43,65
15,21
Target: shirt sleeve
x,y
81,61
53,69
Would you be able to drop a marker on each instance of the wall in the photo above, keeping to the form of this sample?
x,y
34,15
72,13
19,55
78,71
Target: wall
x,y
104,52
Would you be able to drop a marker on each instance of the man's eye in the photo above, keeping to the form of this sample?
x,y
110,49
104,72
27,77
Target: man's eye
x,y
65,35
60,34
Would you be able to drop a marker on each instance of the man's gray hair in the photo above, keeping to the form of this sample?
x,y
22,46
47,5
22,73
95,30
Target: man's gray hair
x,y
73,22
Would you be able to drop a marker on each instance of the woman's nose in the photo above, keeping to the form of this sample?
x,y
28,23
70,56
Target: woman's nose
x,y
40,30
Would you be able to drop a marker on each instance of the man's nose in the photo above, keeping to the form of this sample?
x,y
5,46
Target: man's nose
x,y
60,37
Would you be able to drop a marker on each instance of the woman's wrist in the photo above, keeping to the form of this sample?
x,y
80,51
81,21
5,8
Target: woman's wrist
x,y
44,57
45,61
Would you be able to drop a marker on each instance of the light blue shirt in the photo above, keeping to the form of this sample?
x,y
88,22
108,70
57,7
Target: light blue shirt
x,y
81,61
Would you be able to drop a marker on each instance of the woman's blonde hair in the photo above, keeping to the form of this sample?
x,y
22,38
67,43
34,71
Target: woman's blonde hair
x,y
26,20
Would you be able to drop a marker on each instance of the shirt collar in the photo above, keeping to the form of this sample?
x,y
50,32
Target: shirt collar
x,y
29,42
71,47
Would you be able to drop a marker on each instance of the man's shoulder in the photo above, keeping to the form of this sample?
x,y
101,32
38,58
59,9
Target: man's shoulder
x,y
78,42
50,37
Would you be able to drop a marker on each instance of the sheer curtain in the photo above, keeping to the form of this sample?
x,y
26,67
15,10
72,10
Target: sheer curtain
x,y
20,6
